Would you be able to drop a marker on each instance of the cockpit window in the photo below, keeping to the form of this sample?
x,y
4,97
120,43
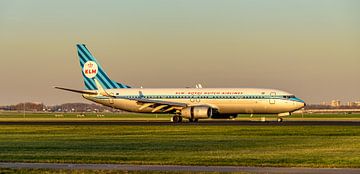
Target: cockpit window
x,y
289,96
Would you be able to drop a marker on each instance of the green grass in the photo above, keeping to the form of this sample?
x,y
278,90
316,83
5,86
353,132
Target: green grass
x,y
82,171
300,146
128,116
4,115
79,171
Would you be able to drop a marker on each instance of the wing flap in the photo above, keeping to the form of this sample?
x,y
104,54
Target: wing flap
x,y
161,102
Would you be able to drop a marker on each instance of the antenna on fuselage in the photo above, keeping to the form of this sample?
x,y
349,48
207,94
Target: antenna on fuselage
x,y
198,86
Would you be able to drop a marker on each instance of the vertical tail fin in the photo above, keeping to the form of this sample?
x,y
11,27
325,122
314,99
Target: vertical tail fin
x,y
91,70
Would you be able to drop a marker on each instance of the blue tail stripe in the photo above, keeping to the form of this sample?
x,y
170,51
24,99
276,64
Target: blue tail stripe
x,y
87,51
101,76
101,80
81,62
87,86
81,56
89,81
84,56
107,80
122,86
88,56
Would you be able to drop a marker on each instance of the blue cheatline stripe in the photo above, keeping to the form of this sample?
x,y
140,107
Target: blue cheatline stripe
x,y
99,75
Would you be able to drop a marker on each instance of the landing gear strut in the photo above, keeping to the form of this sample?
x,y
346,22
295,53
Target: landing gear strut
x,y
193,120
176,119
279,119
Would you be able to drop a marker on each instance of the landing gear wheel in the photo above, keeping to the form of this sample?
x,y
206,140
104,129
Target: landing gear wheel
x,y
176,119
180,119
279,119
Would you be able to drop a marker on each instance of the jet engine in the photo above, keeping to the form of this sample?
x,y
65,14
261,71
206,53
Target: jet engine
x,y
197,112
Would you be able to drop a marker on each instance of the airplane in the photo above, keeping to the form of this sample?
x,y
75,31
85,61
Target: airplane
x,y
184,103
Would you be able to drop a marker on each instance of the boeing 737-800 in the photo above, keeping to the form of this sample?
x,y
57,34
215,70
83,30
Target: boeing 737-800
x,y
189,103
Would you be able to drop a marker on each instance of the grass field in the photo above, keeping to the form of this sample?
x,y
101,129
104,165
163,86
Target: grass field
x,y
301,146
80,171
14,116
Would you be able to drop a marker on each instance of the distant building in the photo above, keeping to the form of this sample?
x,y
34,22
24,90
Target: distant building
x,y
352,104
335,103
323,104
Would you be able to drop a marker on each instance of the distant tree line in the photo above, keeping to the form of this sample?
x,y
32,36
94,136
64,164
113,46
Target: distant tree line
x,y
330,107
66,107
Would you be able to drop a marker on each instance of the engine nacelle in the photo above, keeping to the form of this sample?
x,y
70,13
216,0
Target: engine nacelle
x,y
197,112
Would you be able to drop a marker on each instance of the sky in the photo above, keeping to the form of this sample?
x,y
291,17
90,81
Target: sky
x,y
306,47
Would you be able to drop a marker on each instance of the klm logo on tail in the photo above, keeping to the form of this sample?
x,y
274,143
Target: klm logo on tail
x,y
91,70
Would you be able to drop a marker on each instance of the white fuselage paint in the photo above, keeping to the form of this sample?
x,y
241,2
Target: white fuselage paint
x,y
225,100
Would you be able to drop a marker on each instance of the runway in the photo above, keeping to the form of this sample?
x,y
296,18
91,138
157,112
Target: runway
x,y
178,168
167,123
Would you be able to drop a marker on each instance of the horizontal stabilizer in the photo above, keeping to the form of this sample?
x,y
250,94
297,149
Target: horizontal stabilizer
x,y
77,91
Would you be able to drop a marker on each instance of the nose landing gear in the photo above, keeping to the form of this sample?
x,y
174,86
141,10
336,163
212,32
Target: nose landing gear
x,y
279,119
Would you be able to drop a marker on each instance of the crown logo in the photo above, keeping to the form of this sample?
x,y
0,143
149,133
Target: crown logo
x,y
90,65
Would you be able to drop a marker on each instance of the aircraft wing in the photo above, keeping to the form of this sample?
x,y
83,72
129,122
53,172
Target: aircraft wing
x,y
158,102
77,91
157,105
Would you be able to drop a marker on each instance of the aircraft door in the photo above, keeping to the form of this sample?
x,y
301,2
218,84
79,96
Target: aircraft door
x,y
272,97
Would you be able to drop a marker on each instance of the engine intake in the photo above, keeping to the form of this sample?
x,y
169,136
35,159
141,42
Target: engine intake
x,y
197,112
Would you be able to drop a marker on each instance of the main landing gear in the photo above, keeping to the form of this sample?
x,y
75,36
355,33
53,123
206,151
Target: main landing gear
x,y
279,119
176,119
193,120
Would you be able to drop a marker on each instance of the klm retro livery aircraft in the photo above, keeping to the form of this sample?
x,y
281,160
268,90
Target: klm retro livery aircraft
x,y
185,103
